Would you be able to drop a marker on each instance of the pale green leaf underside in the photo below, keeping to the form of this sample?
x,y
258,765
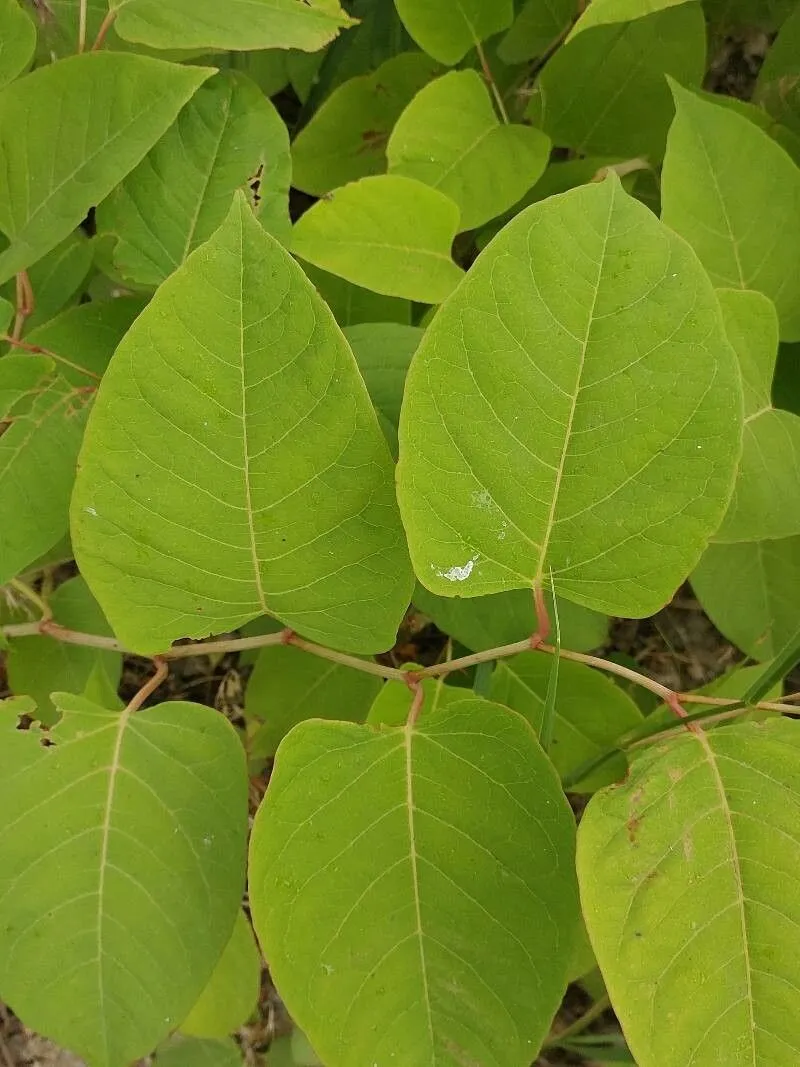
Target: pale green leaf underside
x,y
407,920
450,138
734,194
751,592
236,25
233,465
448,29
603,12
226,137
684,870
345,139
43,418
766,498
17,40
123,857
69,132
591,712
230,997
287,686
574,410
387,233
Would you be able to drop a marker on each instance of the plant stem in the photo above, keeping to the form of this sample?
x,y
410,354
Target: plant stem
x,y
25,304
105,26
489,78
33,598
82,26
162,670
37,350
580,1024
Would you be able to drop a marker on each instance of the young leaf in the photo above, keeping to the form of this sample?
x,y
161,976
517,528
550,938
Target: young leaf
x,y
448,29
414,895
734,194
450,138
766,499
231,996
288,686
684,870
122,842
604,92
544,427
591,713
41,425
39,666
750,592
387,233
195,1052
60,161
17,40
535,29
500,619
227,137
237,25
346,138
277,494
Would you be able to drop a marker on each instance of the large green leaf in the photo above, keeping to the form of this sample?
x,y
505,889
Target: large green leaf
x,y
591,712
500,619
535,29
123,848
450,138
388,233
17,40
448,29
346,138
734,194
686,873
287,686
751,592
352,304
235,25
196,1052
604,12
60,161
228,137
231,996
766,499
573,411
39,666
412,888
604,92
233,465
42,418
383,351
778,87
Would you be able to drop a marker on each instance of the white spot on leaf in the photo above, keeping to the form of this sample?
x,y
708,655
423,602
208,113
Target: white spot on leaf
x,y
459,574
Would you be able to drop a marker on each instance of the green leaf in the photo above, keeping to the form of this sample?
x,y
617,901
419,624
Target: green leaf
x,y
734,194
387,233
766,499
236,25
346,138
231,996
448,29
17,40
61,161
287,686
127,832
605,12
228,137
39,666
352,304
450,138
747,14
484,622
383,351
6,315
552,433
58,277
684,869
406,946
591,713
278,494
392,705
751,592
82,339
778,86
194,1052
535,29
41,425
604,92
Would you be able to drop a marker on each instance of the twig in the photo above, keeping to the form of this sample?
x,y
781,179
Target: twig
x,y
489,78
105,26
82,26
38,350
25,304
33,598
162,670
418,690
